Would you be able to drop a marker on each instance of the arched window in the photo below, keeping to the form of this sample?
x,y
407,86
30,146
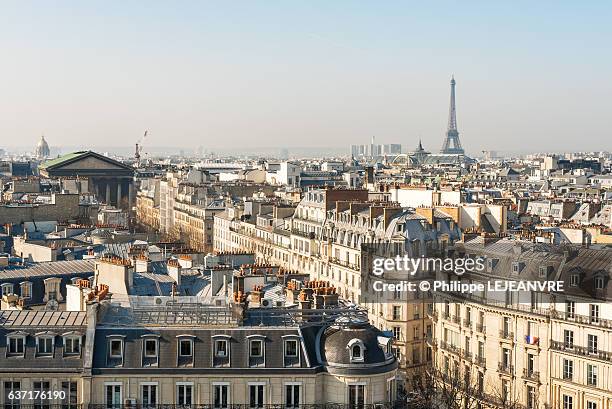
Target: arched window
x,y
356,350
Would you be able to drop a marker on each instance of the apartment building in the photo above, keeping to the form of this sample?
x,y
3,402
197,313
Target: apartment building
x,y
531,349
117,354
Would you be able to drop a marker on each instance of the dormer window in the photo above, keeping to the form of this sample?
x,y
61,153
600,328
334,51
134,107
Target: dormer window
x,y
115,348
543,271
150,348
52,289
517,267
72,344
221,348
356,350
16,344
44,345
599,283
256,348
26,290
291,348
185,347
574,280
7,288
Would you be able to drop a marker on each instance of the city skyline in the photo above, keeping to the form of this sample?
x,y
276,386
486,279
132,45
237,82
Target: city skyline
x,y
256,74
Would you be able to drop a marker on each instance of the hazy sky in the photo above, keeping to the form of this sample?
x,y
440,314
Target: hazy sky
x,y
531,75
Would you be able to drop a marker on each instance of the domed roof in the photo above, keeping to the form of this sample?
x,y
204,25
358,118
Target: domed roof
x,y
42,148
335,341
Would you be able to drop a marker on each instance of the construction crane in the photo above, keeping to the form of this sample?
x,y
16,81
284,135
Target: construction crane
x,y
139,148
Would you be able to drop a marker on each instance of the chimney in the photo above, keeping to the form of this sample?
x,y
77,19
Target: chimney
x,y
426,212
142,264
256,294
330,297
304,300
174,270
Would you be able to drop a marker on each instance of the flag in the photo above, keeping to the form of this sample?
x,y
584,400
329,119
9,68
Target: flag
x,y
531,340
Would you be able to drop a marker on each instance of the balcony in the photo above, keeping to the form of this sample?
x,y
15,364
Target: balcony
x,y
503,368
467,323
456,319
581,351
450,348
480,327
582,319
445,315
531,375
480,361
431,341
344,263
433,315
503,334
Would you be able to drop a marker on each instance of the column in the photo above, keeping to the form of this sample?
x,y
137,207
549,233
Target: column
x,y
108,192
131,194
118,193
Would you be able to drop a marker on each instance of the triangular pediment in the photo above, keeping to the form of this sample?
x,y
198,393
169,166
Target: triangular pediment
x,y
90,162
85,163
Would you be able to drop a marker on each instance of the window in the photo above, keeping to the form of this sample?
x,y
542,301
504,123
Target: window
x,y
221,348
599,283
72,345
16,345
591,405
568,402
530,364
594,313
26,290
148,395
568,369
570,308
115,348
112,395
574,280
291,348
185,347
506,358
591,375
397,312
397,333
292,395
70,399
184,393
7,288
150,348
11,386
256,348
356,353
506,325
220,395
41,388
256,395
44,345
356,396
531,398
592,343
543,271
568,338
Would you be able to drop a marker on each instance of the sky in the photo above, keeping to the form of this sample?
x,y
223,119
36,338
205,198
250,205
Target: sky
x,y
531,76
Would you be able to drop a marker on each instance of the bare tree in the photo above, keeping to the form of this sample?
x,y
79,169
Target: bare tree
x,y
451,388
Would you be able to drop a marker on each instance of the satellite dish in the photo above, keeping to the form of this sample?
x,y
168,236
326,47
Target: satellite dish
x,y
52,305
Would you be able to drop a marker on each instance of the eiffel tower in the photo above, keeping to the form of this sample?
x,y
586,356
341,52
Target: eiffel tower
x,y
452,135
